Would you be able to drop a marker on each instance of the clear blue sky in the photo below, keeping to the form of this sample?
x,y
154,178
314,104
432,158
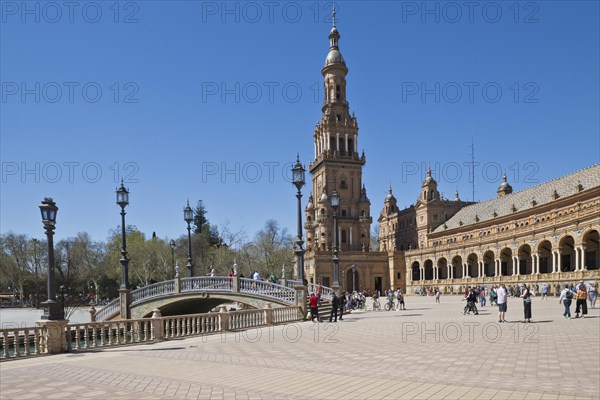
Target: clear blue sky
x,y
191,90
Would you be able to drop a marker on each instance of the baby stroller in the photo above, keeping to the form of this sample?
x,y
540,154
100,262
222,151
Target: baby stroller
x,y
471,307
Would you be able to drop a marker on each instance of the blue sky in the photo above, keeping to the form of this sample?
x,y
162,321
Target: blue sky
x,y
212,100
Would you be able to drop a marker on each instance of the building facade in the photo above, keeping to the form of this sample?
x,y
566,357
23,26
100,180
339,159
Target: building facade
x,y
544,235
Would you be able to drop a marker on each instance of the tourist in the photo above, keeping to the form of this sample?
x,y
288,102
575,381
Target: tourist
x,y
437,296
581,303
502,302
335,305
212,272
493,297
400,297
482,296
314,307
593,295
526,303
566,296
342,305
319,291
544,292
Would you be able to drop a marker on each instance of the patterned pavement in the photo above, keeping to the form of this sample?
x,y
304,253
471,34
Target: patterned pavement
x,y
429,351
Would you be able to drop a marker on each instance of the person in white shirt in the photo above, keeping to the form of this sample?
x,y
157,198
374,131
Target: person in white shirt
x,y
566,297
501,301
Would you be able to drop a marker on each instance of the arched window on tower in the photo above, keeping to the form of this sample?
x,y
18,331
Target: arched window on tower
x,y
337,91
344,238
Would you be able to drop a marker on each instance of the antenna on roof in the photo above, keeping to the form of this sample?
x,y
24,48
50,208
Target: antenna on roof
x,y
473,166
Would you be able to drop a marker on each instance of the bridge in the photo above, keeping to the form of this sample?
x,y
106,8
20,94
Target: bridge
x,y
202,293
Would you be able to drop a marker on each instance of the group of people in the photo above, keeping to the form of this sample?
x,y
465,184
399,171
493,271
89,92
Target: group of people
x,y
338,303
581,294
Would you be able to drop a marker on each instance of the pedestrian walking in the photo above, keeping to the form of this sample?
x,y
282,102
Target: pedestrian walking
x,y
581,303
335,305
566,297
501,300
314,307
544,292
437,297
526,303
593,295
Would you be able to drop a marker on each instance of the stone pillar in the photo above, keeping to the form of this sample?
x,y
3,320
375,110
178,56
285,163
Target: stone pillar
x,y
559,261
125,303
535,266
235,284
465,267
451,271
480,269
268,310
93,314
224,319
300,299
157,325
583,267
54,335
177,284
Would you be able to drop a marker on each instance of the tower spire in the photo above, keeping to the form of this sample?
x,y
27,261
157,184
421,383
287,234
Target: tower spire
x,y
333,15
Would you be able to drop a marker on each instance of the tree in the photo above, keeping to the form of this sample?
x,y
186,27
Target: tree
x,y
200,220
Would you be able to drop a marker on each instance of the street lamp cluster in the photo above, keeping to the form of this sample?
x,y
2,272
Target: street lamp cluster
x,y
298,181
52,309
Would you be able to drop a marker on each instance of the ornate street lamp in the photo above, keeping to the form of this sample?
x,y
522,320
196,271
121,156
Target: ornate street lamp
x,y
173,245
298,181
123,201
188,216
51,307
335,204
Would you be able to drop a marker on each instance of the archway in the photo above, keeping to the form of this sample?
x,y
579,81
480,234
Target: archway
x,y
567,254
352,285
488,264
428,270
506,262
457,269
442,268
545,258
472,270
416,275
590,242
525,262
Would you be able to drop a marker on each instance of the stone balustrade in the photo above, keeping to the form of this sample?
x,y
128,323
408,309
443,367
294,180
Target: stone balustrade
x,y
51,337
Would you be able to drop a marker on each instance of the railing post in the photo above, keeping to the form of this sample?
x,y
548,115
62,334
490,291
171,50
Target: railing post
x,y
268,310
54,335
177,284
93,314
224,319
283,282
157,326
235,284
300,299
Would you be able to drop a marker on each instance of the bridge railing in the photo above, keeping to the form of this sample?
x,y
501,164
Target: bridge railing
x,y
292,283
154,290
206,283
108,310
268,289
27,342
326,292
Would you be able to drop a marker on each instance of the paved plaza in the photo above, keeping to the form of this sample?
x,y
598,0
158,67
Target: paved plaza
x,y
428,351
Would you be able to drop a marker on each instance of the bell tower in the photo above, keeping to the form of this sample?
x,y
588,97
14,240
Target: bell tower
x,y
337,165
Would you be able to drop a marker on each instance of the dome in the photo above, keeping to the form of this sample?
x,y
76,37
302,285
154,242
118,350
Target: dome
x,y
390,196
334,57
310,205
504,186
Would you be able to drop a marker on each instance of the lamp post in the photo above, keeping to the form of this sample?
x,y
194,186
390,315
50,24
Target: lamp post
x,y
51,307
335,203
173,246
298,181
353,277
123,201
188,216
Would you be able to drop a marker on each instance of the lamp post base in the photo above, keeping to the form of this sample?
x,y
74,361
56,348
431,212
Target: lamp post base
x,y
336,288
52,311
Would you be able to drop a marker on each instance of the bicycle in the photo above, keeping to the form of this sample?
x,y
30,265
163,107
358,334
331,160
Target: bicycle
x,y
389,305
376,305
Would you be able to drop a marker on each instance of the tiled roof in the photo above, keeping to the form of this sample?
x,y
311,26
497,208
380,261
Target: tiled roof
x,y
524,199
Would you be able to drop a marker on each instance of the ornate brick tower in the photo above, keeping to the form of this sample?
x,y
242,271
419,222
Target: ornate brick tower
x,y
337,165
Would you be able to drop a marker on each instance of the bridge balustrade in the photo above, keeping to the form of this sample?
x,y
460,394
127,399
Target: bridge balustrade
x,y
206,283
154,290
34,341
268,289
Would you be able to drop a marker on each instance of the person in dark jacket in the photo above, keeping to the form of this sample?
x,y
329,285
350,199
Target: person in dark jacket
x,y
335,305
342,305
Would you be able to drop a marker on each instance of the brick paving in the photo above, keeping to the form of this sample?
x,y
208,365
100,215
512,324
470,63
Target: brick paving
x,y
428,351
